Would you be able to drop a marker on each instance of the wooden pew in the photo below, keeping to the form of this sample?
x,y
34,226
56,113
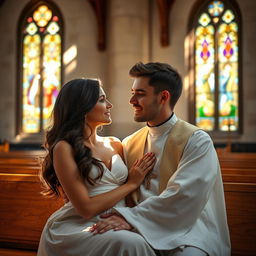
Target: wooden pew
x,y
239,178
24,211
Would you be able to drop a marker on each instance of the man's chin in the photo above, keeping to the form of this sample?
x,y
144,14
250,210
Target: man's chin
x,y
139,119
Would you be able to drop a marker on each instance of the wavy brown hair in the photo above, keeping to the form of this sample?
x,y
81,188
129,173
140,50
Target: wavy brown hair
x,y
75,99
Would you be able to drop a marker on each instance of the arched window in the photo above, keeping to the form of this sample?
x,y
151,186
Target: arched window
x,y
216,73
40,64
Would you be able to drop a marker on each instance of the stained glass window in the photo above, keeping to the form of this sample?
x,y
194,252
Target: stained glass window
x,y
41,67
216,68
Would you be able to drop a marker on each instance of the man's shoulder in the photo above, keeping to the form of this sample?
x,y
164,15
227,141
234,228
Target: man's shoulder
x,y
186,124
195,129
134,135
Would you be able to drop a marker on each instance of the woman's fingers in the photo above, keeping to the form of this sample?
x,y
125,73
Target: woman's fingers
x,y
147,162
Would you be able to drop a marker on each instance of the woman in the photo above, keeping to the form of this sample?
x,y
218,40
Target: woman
x,y
87,169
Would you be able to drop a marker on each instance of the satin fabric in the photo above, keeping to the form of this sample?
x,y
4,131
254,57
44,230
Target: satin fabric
x,y
66,232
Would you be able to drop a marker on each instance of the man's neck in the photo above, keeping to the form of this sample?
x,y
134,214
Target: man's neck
x,y
156,124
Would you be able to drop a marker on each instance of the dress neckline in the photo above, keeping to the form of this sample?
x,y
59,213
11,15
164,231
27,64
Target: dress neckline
x,y
111,162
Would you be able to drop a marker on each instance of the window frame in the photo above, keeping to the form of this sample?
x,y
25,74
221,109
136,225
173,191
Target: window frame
x,y
197,10
29,8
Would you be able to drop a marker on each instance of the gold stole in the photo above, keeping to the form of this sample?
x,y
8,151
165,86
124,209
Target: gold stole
x,y
172,153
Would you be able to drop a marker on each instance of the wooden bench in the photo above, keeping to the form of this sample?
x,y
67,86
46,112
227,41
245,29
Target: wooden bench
x,y
239,177
24,211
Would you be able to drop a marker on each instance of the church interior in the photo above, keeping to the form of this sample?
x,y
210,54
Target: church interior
x,y
46,43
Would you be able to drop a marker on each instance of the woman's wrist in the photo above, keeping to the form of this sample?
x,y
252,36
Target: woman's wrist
x,y
131,186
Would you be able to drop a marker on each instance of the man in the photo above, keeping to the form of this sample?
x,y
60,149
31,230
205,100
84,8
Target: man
x,y
180,207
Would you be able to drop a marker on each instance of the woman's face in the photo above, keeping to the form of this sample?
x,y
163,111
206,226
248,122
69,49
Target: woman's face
x,y
100,114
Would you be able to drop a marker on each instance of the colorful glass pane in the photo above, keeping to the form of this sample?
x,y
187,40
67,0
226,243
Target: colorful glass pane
x,y
31,28
228,42
53,28
41,68
42,15
31,88
215,19
216,69
204,19
216,8
205,77
228,77
51,74
228,16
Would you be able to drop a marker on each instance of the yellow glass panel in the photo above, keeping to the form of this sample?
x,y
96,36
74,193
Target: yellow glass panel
x,y
42,15
51,74
31,84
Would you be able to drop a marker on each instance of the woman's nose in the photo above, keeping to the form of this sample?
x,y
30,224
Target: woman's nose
x,y
109,105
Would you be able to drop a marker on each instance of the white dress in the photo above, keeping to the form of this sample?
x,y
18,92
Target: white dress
x,y
66,232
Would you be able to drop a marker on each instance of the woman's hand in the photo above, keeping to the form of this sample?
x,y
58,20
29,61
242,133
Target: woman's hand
x,y
141,168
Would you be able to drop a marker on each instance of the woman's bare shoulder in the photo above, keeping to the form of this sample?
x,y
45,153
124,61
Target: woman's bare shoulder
x,y
62,146
114,143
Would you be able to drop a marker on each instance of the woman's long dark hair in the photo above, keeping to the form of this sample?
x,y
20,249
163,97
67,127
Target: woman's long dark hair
x,y
75,100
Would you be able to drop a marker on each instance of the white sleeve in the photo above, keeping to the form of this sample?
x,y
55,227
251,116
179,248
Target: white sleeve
x,y
177,208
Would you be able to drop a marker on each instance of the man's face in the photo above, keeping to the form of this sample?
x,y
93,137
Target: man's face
x,y
144,100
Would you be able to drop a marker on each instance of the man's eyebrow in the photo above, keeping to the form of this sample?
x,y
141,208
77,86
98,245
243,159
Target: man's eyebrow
x,y
138,90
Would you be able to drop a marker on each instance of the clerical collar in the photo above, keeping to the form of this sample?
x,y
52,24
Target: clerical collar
x,y
162,122
163,127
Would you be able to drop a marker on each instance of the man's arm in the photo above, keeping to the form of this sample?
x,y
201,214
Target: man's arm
x,y
177,208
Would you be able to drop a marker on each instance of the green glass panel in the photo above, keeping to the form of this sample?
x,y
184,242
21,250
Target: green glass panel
x,y
51,74
31,84
228,119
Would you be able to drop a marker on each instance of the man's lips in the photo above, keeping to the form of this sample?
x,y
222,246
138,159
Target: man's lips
x,y
137,109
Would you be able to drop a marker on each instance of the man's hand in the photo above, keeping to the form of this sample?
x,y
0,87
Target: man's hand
x,y
110,221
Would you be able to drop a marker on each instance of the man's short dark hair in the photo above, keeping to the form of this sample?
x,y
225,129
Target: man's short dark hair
x,y
161,76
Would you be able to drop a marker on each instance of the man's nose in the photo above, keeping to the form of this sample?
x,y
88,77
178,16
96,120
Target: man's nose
x,y
132,99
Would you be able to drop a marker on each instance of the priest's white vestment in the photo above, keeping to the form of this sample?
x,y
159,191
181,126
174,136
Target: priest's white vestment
x,y
187,207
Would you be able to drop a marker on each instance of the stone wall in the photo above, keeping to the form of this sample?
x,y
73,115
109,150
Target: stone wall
x,y
133,34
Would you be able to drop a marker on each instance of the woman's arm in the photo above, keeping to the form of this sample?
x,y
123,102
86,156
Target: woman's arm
x,y
75,189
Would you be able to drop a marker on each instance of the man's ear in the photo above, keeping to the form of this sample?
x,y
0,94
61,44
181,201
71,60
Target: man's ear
x,y
165,96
